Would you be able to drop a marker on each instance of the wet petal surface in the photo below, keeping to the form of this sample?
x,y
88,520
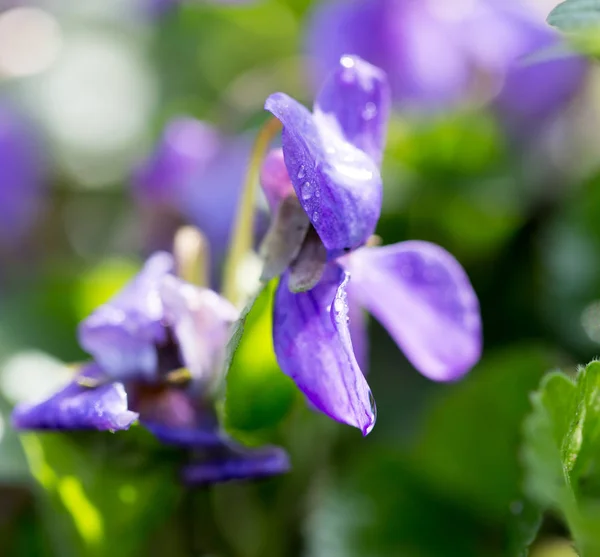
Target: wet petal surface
x,y
357,99
338,185
313,346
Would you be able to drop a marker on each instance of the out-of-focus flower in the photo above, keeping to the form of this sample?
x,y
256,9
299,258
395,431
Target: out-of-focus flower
x,y
198,173
437,53
417,290
142,341
22,173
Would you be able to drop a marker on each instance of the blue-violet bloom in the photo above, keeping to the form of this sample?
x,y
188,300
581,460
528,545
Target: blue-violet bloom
x,y
437,53
329,167
196,173
22,175
142,338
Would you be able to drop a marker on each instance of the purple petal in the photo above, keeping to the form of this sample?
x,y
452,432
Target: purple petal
x,y
421,294
77,407
356,97
535,90
121,335
22,174
501,38
275,180
185,437
201,321
238,463
313,346
187,146
338,185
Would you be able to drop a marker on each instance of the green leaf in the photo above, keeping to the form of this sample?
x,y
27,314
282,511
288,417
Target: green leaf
x,y
470,442
576,15
580,21
98,500
562,446
258,394
382,506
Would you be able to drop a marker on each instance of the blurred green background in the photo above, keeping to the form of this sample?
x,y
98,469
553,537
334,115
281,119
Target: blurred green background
x,y
441,473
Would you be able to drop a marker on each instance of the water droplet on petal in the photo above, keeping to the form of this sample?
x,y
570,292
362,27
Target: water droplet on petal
x,y
374,410
338,305
370,111
301,172
315,217
307,190
347,61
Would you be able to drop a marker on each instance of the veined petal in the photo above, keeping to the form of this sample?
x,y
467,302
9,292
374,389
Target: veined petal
x,y
121,335
201,321
338,185
77,407
422,295
356,98
238,463
313,346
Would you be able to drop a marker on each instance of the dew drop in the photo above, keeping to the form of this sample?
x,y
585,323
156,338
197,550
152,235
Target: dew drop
x,y
315,217
307,190
338,305
301,172
370,111
373,408
347,61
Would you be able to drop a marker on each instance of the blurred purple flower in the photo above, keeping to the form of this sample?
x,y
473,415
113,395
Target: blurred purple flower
x,y
437,52
198,173
418,291
140,340
22,173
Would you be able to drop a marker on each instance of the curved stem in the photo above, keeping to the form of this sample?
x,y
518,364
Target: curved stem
x,y
243,233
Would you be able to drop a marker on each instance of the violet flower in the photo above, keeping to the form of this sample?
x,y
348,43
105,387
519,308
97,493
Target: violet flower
x,y
140,341
197,173
22,172
437,53
417,290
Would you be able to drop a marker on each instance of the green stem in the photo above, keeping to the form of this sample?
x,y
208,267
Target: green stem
x,y
243,233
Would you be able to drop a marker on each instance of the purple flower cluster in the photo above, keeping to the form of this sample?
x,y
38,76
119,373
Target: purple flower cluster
x,y
140,340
